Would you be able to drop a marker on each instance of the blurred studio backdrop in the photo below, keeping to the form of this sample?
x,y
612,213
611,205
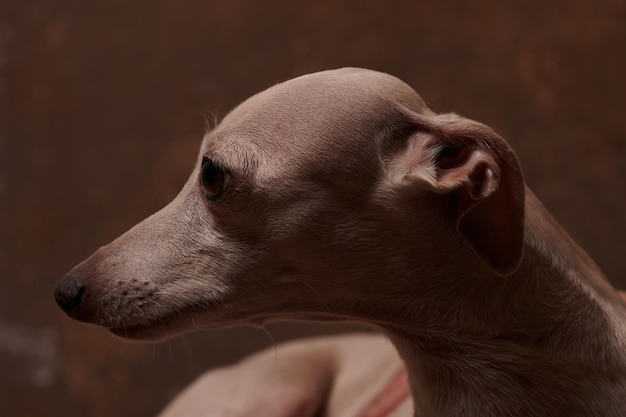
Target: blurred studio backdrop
x,y
103,106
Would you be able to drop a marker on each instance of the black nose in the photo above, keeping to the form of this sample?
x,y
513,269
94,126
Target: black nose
x,y
68,293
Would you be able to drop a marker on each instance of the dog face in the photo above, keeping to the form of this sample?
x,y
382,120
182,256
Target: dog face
x,y
306,200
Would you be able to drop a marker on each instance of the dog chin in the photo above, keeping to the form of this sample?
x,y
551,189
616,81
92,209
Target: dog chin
x,y
147,334
159,331
168,327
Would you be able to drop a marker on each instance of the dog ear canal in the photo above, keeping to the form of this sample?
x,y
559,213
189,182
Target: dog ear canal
x,y
480,168
445,156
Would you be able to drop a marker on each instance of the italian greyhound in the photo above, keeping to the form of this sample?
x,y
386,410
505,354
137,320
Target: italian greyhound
x,y
340,195
356,375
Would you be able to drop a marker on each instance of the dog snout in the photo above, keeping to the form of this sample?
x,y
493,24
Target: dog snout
x,y
68,293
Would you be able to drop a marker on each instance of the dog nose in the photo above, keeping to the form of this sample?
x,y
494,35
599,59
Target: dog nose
x,y
68,293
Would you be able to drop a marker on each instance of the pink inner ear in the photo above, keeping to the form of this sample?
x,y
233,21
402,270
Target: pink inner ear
x,y
472,168
451,157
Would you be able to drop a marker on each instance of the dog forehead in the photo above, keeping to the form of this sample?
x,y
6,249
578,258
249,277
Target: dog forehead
x,y
329,96
310,116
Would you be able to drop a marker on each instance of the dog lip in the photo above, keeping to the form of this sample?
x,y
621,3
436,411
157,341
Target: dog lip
x,y
160,329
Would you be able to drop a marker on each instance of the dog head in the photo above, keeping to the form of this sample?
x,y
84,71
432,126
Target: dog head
x,y
316,199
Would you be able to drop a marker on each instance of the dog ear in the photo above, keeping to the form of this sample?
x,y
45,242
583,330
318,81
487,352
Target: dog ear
x,y
456,156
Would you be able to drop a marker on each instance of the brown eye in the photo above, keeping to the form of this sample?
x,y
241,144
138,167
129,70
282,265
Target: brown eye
x,y
214,179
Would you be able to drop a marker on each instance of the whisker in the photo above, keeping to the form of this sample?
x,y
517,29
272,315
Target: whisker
x,y
318,295
210,119
169,348
186,346
273,342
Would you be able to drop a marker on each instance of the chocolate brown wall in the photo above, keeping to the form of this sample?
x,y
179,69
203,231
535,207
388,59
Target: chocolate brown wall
x,y
103,105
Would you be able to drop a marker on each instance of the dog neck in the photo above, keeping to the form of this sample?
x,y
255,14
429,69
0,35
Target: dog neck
x,y
547,340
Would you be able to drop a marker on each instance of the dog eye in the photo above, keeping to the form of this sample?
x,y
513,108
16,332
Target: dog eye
x,y
214,179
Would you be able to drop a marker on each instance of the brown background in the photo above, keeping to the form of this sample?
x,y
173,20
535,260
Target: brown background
x,y
102,111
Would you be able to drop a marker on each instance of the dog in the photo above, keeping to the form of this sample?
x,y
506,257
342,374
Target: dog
x,y
340,195
356,375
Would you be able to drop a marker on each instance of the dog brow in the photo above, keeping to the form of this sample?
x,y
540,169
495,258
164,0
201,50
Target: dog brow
x,y
235,157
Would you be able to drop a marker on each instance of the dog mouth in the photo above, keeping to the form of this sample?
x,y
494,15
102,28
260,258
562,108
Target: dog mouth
x,y
169,326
